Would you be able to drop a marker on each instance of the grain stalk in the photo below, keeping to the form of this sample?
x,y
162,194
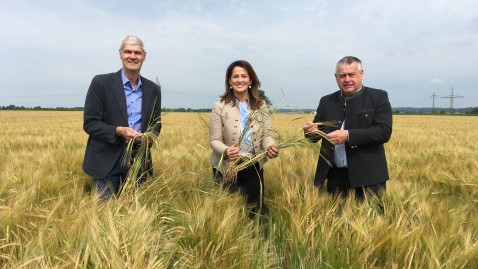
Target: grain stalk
x,y
257,117
136,155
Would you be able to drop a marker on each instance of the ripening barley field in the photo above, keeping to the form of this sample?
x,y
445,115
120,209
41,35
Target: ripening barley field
x,y
182,219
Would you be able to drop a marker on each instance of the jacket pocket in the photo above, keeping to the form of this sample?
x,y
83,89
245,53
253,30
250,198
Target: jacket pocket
x,y
366,116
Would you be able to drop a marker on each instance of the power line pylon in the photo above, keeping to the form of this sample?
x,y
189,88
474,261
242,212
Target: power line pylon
x,y
452,98
433,104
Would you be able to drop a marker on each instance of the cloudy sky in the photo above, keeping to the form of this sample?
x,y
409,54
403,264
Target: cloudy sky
x,y
413,49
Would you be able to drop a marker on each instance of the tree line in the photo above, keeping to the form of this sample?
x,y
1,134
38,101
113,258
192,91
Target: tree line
x,y
468,111
14,107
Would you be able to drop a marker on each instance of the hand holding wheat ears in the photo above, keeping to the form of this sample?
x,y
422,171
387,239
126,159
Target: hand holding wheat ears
x,y
140,143
257,116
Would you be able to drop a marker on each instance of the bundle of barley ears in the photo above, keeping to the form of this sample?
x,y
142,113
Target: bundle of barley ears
x,y
137,162
259,117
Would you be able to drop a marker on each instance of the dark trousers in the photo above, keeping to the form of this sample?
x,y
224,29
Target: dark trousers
x,y
250,182
112,183
338,183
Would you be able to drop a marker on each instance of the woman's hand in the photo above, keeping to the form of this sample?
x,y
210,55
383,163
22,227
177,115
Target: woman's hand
x,y
232,152
272,152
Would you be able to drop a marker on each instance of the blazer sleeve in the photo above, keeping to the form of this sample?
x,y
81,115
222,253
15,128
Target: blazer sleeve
x,y
157,110
156,113
319,117
93,123
216,139
267,140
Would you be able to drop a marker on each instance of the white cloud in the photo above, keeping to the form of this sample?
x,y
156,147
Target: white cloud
x,y
437,81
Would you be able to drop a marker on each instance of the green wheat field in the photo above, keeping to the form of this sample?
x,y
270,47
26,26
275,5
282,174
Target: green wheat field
x,y
182,219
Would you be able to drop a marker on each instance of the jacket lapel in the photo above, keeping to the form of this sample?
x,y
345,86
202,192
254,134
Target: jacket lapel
x,y
118,92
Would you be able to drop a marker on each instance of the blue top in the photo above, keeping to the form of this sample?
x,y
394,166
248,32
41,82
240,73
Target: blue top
x,y
246,144
340,156
134,98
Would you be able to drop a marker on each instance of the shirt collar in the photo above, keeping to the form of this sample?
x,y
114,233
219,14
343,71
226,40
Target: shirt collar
x,y
355,94
242,102
126,80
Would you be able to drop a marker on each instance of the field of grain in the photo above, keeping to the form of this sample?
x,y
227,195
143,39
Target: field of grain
x,y
182,219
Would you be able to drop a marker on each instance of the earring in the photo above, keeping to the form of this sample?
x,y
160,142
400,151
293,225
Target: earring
x,y
250,87
230,87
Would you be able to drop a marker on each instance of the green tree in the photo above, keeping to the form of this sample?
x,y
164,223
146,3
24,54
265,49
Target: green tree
x,y
262,95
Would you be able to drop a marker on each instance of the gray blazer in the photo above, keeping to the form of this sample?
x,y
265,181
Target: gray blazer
x,y
105,109
224,131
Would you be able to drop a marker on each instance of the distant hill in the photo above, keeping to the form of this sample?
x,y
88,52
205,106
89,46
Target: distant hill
x,y
442,110
397,110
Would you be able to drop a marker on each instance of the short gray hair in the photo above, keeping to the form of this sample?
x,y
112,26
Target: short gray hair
x,y
132,40
347,60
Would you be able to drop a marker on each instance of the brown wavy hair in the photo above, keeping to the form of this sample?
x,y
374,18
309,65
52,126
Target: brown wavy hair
x,y
255,101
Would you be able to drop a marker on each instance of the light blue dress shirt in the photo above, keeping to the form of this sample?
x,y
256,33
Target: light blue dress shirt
x,y
134,98
246,144
340,156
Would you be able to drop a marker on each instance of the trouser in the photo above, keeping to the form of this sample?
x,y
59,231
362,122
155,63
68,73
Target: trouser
x,y
250,182
112,183
338,182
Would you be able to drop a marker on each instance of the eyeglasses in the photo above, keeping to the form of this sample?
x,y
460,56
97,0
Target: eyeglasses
x,y
350,75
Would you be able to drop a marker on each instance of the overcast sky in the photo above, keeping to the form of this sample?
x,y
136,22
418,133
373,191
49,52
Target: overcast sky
x,y
412,49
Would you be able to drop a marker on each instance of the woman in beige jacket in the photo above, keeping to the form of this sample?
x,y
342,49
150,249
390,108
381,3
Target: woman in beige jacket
x,y
241,111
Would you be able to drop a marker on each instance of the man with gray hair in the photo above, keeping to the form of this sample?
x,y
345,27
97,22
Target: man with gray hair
x,y
119,107
355,147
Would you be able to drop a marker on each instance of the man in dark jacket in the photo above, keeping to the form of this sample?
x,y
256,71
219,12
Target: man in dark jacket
x,y
355,147
119,107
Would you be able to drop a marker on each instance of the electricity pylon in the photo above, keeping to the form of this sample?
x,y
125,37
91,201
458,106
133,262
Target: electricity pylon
x,y
452,98
433,104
